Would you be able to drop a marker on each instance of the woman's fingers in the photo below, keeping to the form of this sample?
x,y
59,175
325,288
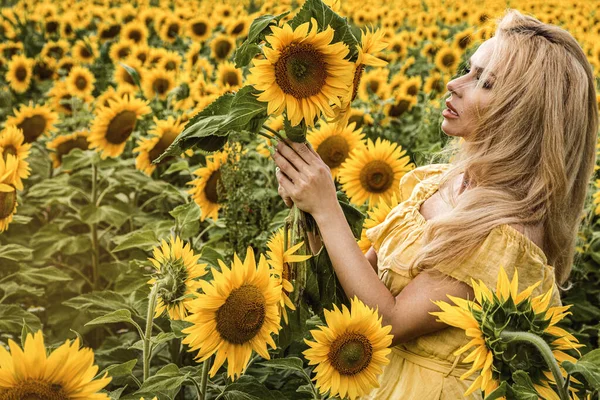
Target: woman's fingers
x,y
299,155
286,167
285,187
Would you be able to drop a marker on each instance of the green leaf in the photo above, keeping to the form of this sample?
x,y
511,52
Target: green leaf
x,y
259,28
247,387
178,166
499,392
142,239
133,73
326,17
119,370
77,159
116,394
42,276
165,383
12,317
295,133
523,386
112,318
12,288
199,130
187,217
178,326
588,367
15,252
99,303
353,216
286,364
246,112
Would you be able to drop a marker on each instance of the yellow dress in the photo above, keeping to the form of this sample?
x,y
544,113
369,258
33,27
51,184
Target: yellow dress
x,y
425,368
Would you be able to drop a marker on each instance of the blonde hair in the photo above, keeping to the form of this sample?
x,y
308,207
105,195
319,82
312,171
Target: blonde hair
x,y
532,153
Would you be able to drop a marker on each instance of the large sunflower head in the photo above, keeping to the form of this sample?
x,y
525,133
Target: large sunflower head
x,y
11,143
303,73
34,121
8,192
67,373
349,351
207,187
374,217
63,144
160,137
114,124
373,173
158,83
80,81
177,270
280,259
20,70
491,313
236,313
334,143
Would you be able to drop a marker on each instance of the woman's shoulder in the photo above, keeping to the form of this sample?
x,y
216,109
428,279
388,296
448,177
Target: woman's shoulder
x,y
415,176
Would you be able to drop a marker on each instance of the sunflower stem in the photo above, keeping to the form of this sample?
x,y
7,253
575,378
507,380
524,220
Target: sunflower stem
x,y
266,135
204,377
546,352
286,141
148,333
95,244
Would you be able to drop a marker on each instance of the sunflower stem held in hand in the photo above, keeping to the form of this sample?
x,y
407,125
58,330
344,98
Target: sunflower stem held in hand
x,y
148,332
545,351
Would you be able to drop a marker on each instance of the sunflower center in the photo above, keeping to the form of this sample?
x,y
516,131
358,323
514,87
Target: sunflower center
x,y
120,127
10,149
358,119
242,315
231,78
111,32
8,200
65,148
21,73
123,53
81,82
412,90
199,28
210,190
222,49
373,86
85,53
357,77
350,353
32,127
300,71
170,65
333,150
238,28
164,142
35,390
448,60
399,108
136,36
172,281
160,86
52,27
376,176
56,52
43,71
173,31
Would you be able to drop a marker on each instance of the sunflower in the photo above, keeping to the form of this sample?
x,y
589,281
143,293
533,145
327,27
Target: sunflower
x,y
119,51
108,30
373,173
376,216
156,54
207,186
63,144
401,104
464,39
80,82
489,314
199,89
34,121
20,69
123,78
411,86
140,52
135,32
177,270
398,47
435,84
375,83
8,192
65,65
349,351
114,124
238,27
302,73
67,373
158,83
228,76
161,137
199,29
44,69
237,313
360,117
170,62
11,142
55,49
447,60
170,29
279,259
222,47
334,144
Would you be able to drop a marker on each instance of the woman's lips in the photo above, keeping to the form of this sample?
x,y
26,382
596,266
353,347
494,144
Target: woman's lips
x,y
448,113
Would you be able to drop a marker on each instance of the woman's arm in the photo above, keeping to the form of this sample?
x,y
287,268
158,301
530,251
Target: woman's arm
x,y
307,180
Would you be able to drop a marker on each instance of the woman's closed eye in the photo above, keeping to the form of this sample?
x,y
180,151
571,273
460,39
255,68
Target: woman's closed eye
x,y
486,84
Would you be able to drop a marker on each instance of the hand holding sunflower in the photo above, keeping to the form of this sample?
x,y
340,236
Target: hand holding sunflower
x,y
305,178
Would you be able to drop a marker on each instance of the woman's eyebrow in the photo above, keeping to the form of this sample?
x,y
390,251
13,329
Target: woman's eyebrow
x,y
476,68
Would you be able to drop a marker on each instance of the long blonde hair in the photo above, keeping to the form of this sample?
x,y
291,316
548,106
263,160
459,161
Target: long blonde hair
x,y
532,153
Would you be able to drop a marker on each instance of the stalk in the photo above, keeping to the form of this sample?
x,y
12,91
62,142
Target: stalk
x,y
148,333
95,245
204,377
546,352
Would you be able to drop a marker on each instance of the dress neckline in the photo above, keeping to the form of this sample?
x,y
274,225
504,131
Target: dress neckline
x,y
434,186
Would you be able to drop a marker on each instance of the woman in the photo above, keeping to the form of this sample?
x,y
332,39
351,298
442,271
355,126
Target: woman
x,y
512,196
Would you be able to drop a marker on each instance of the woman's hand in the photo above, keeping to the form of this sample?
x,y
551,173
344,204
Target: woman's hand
x,y
304,179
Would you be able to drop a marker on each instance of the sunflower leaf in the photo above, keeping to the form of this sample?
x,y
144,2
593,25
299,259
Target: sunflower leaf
x,y
12,317
246,112
113,318
258,30
118,370
326,17
588,367
288,363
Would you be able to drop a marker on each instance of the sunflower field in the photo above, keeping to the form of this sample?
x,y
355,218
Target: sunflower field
x,y
144,249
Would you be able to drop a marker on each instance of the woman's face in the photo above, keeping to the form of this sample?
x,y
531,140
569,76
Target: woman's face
x,y
466,98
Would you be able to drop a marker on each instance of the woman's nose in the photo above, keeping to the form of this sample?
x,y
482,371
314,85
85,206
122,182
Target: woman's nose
x,y
453,87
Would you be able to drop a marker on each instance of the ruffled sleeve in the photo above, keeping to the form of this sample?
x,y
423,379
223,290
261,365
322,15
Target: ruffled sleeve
x,y
506,247
407,195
